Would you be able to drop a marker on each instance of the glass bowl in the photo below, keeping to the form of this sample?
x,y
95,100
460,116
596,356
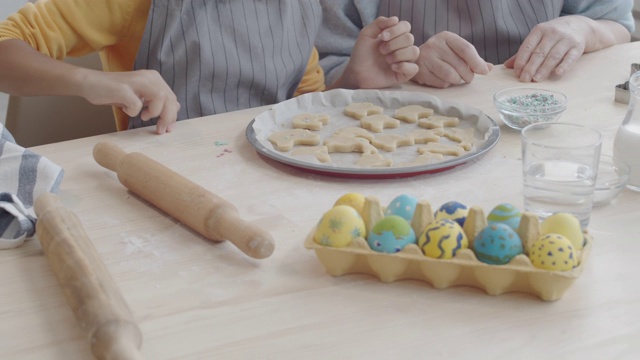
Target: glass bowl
x,y
519,107
611,179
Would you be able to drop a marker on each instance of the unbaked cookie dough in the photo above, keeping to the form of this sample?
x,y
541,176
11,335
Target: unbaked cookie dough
x,y
362,109
309,121
285,140
418,130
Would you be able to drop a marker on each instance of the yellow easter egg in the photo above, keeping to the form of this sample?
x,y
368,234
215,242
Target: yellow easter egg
x,y
442,239
355,200
339,226
553,252
566,225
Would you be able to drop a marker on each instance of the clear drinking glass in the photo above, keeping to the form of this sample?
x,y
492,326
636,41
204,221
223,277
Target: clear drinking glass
x,y
559,166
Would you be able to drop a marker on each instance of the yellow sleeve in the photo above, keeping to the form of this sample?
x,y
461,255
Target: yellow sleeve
x,y
61,28
313,79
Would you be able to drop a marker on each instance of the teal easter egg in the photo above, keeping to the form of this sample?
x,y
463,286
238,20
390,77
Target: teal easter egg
x,y
402,205
391,234
452,210
497,244
442,239
505,214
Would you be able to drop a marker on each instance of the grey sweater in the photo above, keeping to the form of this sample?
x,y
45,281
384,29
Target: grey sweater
x,y
495,27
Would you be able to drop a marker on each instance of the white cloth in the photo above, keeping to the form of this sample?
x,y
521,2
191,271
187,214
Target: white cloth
x,y
24,175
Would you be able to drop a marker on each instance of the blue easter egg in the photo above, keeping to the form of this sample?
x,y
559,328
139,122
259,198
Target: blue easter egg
x,y
497,244
391,234
403,205
452,210
506,214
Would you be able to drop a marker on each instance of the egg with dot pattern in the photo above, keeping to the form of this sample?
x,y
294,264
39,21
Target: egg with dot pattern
x,y
355,200
553,252
506,214
402,205
339,226
442,239
497,244
391,235
452,210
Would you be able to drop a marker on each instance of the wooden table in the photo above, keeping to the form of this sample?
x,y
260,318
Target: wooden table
x,y
195,299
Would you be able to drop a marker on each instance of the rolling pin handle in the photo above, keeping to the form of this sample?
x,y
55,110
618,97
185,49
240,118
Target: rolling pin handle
x,y
45,202
108,155
117,341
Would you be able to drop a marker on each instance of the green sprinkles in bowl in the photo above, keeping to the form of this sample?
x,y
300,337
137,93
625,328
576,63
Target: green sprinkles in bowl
x,y
533,101
524,106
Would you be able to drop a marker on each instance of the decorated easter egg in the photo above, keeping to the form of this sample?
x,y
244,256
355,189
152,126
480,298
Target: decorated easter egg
x,y
355,200
391,234
497,244
452,210
566,225
339,226
506,214
402,205
553,252
442,239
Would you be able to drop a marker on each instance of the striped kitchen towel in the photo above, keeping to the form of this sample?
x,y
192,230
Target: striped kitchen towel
x,y
24,175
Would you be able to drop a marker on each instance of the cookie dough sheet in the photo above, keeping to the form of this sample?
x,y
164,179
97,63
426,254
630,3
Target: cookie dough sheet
x,y
333,102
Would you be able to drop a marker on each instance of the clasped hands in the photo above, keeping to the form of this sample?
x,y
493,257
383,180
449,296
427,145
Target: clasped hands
x,y
550,49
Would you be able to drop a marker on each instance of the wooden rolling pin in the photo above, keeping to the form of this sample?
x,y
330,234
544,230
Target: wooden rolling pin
x,y
201,210
90,291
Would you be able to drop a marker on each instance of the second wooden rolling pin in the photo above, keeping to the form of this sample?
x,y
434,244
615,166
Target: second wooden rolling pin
x,y
92,294
201,210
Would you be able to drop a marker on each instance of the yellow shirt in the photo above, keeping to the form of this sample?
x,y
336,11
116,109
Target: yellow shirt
x,y
113,28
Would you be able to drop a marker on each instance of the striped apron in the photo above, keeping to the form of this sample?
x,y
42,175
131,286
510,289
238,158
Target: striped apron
x,y
225,55
495,27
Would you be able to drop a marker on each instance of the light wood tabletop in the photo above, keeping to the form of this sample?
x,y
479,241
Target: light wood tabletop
x,y
196,299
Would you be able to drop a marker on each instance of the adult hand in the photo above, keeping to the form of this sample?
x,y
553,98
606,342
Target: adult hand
x,y
383,56
448,59
141,92
550,48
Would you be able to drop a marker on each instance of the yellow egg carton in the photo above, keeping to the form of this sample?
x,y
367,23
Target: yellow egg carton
x,y
519,275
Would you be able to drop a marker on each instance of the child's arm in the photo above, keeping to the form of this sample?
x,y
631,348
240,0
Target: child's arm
x,y
26,72
384,55
34,40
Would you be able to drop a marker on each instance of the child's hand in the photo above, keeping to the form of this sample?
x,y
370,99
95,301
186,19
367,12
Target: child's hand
x,y
447,59
141,92
383,56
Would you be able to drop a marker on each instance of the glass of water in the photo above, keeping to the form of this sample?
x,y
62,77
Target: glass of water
x,y
559,167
